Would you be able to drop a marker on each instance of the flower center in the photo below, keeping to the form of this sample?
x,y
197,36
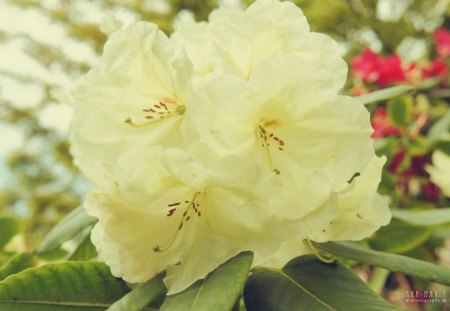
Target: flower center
x,y
166,107
190,208
268,138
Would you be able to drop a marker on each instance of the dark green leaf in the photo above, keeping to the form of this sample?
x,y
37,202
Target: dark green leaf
x,y
384,94
54,255
423,217
16,264
398,111
306,283
74,286
218,292
9,227
85,251
392,262
444,146
139,298
399,237
70,226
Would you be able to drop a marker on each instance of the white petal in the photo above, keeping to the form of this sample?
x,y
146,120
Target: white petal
x,y
361,210
440,171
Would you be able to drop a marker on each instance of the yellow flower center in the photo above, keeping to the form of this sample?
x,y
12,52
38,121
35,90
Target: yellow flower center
x,y
190,208
267,138
165,108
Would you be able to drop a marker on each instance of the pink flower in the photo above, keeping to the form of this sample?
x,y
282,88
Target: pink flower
x,y
381,124
442,41
437,68
374,68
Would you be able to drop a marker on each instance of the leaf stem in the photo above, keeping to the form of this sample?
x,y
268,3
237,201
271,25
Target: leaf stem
x,y
378,279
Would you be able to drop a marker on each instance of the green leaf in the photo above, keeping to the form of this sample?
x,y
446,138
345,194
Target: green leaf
x,y
444,146
217,292
306,283
392,262
70,226
440,128
9,227
140,297
399,237
74,286
398,110
384,94
425,218
85,251
58,254
16,264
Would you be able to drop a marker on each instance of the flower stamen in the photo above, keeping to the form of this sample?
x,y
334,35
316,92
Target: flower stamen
x,y
166,107
190,205
266,137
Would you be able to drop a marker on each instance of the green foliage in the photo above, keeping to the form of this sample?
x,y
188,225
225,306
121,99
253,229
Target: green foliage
x,y
440,128
425,218
444,146
418,228
399,237
16,264
9,227
391,262
65,286
71,225
139,298
218,292
85,250
384,94
306,283
399,109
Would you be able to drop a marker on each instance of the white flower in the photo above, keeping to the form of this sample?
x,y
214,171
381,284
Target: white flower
x,y
361,209
168,211
287,116
229,136
360,212
440,171
135,97
236,41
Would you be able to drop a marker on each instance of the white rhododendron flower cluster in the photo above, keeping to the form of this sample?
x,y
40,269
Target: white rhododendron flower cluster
x,y
230,135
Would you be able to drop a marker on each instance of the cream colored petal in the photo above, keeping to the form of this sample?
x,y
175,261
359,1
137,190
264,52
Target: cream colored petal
x,y
194,38
361,210
125,238
440,171
287,251
223,117
263,31
140,57
334,137
140,68
205,254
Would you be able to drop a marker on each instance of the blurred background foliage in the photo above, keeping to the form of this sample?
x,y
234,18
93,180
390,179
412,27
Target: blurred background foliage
x,y
46,44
